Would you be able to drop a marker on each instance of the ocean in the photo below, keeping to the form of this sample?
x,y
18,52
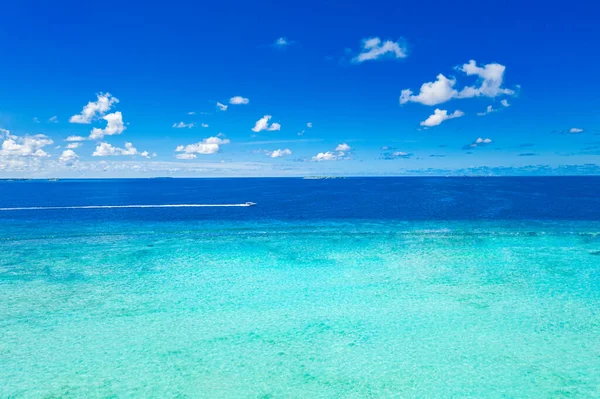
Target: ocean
x,y
409,287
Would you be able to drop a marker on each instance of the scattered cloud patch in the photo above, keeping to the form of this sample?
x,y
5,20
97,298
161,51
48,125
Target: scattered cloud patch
x,y
342,151
390,154
205,125
27,146
36,120
221,106
191,113
575,130
439,116
505,103
278,153
74,145
374,48
114,126
95,109
488,110
182,125
105,149
238,100
75,138
210,145
480,142
263,124
53,119
309,125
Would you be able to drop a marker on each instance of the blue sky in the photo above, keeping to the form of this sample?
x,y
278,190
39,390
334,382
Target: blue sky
x,y
342,68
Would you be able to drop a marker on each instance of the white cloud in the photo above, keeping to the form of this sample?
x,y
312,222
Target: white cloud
x,y
491,77
53,119
222,107
278,153
442,90
27,146
182,125
210,145
343,147
505,103
480,142
575,130
263,124
325,156
281,42
74,145
237,100
309,125
431,93
68,157
373,48
36,120
94,109
204,125
488,110
75,138
145,154
105,149
440,115
114,126
191,113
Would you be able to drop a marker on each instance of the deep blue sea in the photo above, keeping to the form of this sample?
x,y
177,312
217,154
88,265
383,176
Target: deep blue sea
x,y
334,288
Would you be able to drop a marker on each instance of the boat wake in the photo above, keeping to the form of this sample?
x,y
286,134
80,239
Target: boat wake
x,y
50,208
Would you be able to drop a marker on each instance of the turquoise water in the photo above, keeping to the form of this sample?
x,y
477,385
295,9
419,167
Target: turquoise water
x,y
319,308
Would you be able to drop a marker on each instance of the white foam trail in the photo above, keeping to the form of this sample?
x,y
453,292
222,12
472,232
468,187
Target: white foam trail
x,y
48,208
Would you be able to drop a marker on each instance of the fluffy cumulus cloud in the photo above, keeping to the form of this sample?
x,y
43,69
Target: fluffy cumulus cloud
x,y
325,156
208,146
343,147
263,124
105,150
431,93
238,100
27,146
222,106
95,109
490,79
575,130
440,115
74,145
205,125
68,157
114,125
278,153
182,125
374,48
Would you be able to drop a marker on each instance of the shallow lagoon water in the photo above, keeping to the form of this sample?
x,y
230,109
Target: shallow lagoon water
x,y
254,303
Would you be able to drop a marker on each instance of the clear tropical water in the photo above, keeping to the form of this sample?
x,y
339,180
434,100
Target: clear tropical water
x,y
365,287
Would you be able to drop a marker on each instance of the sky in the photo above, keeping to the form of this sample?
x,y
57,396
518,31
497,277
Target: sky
x,y
238,88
